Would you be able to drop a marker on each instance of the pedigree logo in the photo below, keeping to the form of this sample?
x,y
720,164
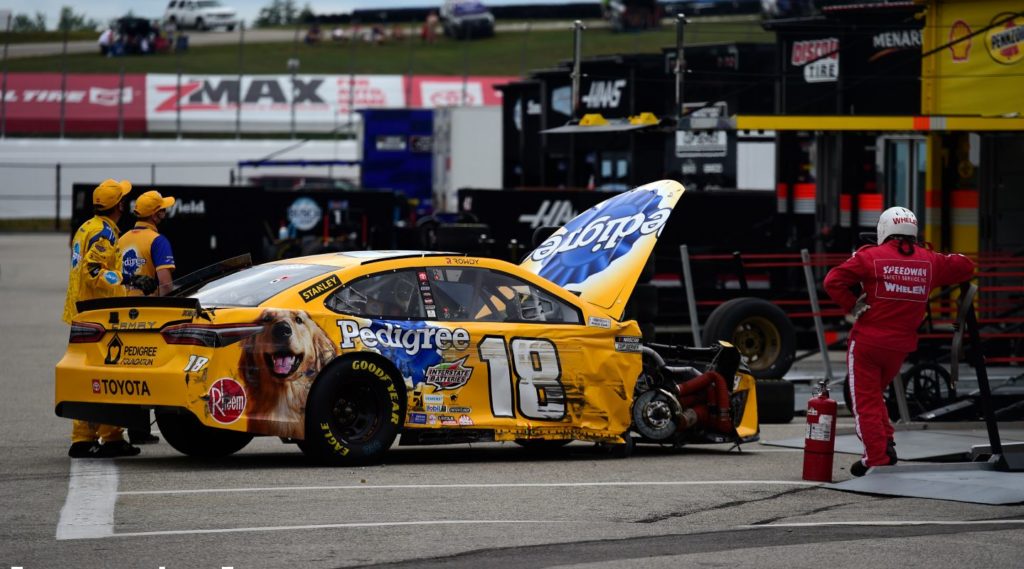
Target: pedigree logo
x,y
1004,42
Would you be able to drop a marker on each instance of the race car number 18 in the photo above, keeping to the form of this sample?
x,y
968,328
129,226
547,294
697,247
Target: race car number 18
x,y
537,377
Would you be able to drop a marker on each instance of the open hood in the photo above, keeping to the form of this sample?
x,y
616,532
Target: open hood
x,y
602,251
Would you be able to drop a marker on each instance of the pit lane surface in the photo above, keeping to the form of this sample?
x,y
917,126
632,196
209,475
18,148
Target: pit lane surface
x,y
486,505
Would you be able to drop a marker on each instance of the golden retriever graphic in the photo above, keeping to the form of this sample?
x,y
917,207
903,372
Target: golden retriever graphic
x,y
279,365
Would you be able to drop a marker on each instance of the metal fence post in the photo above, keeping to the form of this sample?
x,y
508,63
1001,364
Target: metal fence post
x,y
819,327
3,95
56,217
63,78
241,64
120,103
691,298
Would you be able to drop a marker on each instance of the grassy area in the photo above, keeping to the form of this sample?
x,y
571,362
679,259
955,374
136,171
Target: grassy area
x,y
505,54
38,37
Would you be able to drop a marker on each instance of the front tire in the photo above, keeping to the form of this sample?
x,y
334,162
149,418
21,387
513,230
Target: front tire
x,y
187,435
353,414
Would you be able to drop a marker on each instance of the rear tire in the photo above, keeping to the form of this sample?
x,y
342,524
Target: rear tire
x,y
187,435
761,332
353,413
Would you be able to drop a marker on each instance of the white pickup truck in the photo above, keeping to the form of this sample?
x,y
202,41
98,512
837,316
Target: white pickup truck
x,y
200,14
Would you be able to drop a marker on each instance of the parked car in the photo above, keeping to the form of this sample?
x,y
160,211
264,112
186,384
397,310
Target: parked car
x,y
466,19
200,14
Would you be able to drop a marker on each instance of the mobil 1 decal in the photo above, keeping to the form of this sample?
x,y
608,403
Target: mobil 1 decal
x,y
527,371
422,353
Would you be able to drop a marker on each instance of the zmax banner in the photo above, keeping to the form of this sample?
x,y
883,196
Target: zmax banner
x,y
213,103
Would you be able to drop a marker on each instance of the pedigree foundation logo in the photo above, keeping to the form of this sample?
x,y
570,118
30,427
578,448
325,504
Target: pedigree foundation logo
x,y
1005,42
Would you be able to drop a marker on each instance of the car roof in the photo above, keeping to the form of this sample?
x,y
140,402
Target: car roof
x,y
352,258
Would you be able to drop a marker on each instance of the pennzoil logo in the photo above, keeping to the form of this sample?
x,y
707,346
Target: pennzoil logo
x,y
1005,42
319,288
449,375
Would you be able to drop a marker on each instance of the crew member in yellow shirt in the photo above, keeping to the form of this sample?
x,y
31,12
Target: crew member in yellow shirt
x,y
96,273
147,263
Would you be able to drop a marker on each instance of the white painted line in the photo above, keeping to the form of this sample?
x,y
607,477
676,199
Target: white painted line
x,y
473,486
88,511
330,526
888,523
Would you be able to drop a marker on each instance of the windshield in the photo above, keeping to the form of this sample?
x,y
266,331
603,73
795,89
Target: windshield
x,y
208,4
468,8
252,287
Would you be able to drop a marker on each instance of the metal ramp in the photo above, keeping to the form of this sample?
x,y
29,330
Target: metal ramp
x,y
998,481
924,442
975,482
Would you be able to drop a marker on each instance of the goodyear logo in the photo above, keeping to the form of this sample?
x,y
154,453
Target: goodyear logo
x,y
319,288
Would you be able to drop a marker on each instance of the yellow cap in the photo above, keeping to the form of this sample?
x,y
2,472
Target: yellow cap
x,y
110,192
151,202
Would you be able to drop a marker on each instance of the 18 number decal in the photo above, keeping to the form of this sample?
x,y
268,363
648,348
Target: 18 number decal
x,y
538,377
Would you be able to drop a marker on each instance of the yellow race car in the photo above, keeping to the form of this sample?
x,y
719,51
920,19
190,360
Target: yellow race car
x,y
342,352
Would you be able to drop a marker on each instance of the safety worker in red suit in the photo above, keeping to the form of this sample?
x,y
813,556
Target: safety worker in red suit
x,y
147,261
895,278
96,273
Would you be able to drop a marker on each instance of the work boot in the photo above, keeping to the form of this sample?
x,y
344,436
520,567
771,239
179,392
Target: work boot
x,y
115,449
890,451
84,449
858,468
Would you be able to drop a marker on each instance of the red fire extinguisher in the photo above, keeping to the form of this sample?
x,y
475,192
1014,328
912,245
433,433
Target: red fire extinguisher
x,y
820,442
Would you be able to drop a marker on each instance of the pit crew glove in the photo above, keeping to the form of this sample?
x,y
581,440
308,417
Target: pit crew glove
x,y
859,308
141,282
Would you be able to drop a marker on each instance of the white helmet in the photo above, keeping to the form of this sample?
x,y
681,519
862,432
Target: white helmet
x,y
896,221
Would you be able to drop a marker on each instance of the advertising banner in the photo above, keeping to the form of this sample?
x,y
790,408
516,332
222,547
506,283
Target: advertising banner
x,y
981,71
210,103
33,103
322,103
430,92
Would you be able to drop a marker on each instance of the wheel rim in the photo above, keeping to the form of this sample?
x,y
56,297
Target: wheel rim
x,y
357,412
758,341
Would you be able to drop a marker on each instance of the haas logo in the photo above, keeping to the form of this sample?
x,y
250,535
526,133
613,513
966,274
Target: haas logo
x,y
604,94
551,212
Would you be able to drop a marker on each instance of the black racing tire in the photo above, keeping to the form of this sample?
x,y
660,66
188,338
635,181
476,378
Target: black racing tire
x,y
187,435
354,411
200,24
760,330
776,401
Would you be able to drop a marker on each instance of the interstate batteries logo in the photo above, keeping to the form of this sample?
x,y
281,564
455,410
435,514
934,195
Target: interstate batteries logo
x,y
449,375
597,237
226,400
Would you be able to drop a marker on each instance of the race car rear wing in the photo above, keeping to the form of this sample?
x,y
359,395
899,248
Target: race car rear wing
x,y
138,302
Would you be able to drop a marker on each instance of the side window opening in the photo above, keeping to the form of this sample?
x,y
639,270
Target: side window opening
x,y
394,294
491,296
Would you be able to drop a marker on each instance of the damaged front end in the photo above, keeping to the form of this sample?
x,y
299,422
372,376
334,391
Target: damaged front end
x,y
695,395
